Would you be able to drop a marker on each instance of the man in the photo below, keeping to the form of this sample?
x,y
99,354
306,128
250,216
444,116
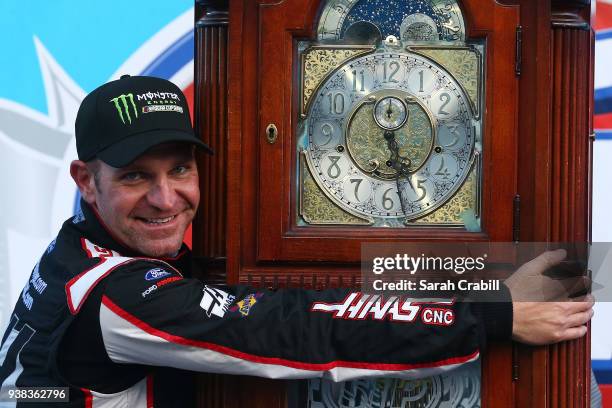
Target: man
x,y
108,304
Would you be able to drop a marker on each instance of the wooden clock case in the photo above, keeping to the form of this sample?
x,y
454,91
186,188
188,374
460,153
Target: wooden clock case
x,y
536,171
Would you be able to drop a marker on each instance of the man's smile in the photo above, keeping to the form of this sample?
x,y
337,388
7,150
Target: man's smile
x,y
157,220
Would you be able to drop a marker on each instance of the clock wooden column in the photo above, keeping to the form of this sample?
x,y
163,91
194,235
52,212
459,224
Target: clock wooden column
x,y
556,131
537,149
210,122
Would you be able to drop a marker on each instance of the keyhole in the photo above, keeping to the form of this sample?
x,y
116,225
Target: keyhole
x,y
271,133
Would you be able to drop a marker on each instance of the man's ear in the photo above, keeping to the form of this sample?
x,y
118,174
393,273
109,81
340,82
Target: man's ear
x,y
85,180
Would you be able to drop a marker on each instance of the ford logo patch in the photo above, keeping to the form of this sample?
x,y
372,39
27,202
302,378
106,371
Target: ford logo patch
x,y
156,273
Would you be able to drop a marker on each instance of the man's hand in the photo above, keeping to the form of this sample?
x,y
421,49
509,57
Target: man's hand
x,y
558,316
540,323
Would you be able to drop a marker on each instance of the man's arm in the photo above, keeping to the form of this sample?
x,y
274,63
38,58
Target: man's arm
x,y
290,333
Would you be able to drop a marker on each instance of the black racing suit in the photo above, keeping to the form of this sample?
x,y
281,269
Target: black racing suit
x,y
97,318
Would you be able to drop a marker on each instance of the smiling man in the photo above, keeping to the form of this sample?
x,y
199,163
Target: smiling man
x,y
149,203
109,308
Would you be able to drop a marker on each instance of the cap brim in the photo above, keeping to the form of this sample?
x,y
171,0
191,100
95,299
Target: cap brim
x,y
127,150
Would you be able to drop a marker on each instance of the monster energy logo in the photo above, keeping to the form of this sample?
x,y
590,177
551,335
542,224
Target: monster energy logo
x,y
123,107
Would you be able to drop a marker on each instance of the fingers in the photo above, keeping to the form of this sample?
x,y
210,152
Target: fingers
x,y
571,307
580,318
575,286
589,298
574,333
583,285
548,259
578,315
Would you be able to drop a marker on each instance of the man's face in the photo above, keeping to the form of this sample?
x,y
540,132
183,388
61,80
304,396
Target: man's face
x,y
149,204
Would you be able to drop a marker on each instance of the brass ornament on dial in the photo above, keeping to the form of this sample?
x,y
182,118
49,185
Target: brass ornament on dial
x,y
365,136
319,61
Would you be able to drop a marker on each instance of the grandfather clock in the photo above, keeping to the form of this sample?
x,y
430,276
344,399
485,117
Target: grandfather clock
x,y
337,122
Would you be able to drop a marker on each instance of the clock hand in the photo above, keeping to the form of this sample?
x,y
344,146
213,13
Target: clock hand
x,y
389,110
396,161
399,164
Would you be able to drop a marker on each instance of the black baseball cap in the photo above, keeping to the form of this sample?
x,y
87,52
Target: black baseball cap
x,y
122,119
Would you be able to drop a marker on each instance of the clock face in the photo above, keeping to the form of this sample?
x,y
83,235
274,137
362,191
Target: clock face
x,y
390,136
390,116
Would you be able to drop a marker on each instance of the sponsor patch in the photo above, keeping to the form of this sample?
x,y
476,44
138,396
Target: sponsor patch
x,y
78,217
162,108
159,284
51,246
245,305
156,273
149,290
158,95
27,299
37,283
126,108
359,306
215,301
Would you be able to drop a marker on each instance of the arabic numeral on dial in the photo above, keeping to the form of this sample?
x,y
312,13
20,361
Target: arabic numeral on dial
x,y
445,98
358,78
452,135
357,183
442,170
387,202
328,131
420,192
333,170
444,167
356,189
453,130
392,68
421,81
336,103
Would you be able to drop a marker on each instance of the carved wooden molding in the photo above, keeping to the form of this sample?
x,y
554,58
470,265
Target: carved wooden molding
x,y
569,20
215,13
573,14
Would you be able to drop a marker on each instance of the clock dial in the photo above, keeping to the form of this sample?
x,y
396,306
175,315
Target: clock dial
x,y
431,122
390,113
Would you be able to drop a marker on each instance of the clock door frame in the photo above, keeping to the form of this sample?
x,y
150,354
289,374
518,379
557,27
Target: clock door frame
x,y
268,170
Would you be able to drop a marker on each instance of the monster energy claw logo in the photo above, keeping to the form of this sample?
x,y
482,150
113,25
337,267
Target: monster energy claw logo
x,y
124,108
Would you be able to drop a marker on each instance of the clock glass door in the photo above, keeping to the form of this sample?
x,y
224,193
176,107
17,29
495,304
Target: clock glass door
x,y
389,132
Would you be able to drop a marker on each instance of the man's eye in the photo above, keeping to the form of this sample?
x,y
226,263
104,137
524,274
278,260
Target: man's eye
x,y
132,176
181,169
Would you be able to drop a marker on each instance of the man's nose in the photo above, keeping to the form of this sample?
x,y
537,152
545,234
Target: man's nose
x,y
162,195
